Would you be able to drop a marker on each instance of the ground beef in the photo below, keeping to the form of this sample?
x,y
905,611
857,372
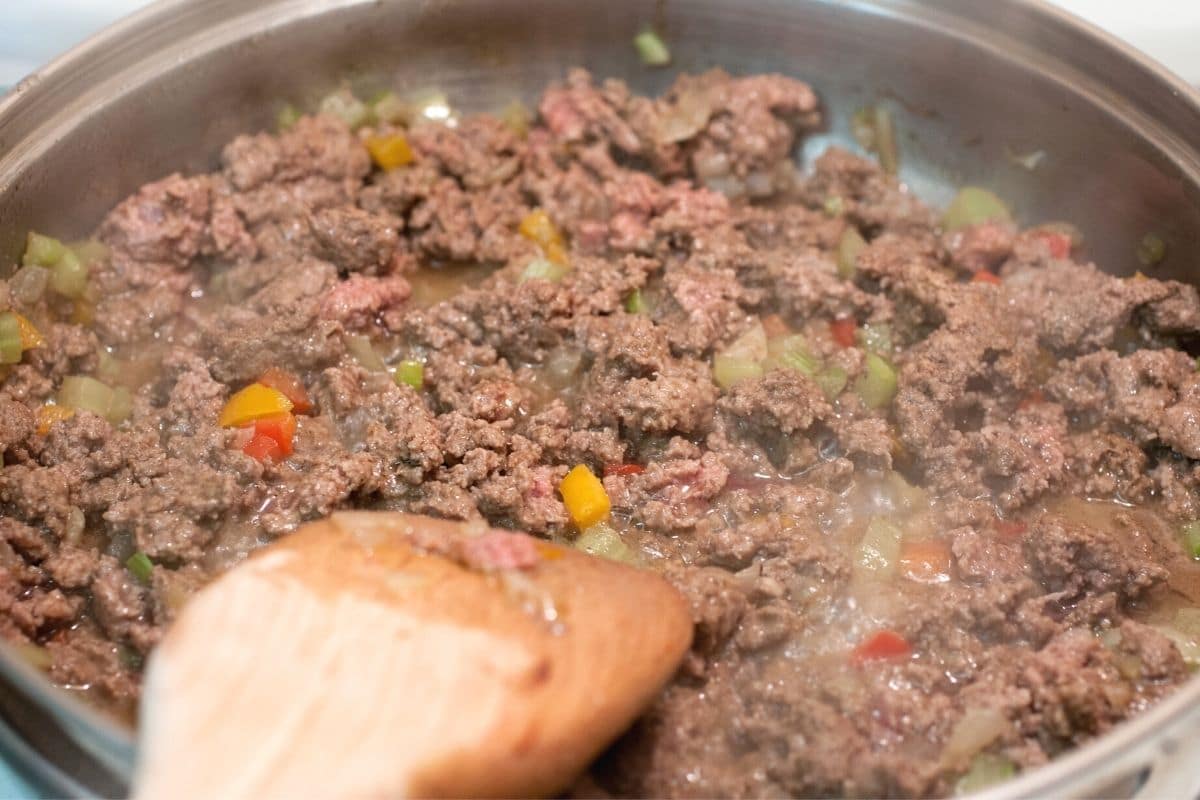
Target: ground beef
x,y
1010,517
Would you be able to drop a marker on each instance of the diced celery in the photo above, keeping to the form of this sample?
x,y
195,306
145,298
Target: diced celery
x,y
601,540
108,367
832,380
140,566
885,141
1191,538
389,108
849,246
544,269
873,129
652,49
346,107
875,337
877,385
286,117
635,303
973,205
987,769
90,251
834,205
1151,250
879,550
42,251
742,359
410,373
69,276
84,393
10,338
792,352
28,284
364,353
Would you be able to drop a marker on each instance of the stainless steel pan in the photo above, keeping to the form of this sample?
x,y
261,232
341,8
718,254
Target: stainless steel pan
x,y
970,83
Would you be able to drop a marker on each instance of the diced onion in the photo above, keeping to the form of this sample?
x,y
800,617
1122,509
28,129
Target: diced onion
x,y
875,337
34,655
987,769
543,269
976,729
601,540
686,117
879,550
973,205
561,368
742,359
364,353
28,284
84,393
346,107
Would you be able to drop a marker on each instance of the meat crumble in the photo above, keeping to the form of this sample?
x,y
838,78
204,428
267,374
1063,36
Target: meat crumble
x,y
926,486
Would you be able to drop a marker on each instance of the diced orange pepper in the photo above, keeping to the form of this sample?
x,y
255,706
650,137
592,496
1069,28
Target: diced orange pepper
x,y
925,561
538,228
984,276
48,415
390,151
290,385
254,402
30,337
584,496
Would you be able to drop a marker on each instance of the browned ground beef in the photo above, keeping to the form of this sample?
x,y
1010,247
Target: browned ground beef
x,y
1050,421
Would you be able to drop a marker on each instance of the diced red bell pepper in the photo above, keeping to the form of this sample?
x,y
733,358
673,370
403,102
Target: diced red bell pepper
x,y
290,385
843,331
263,448
985,276
1057,242
882,645
623,469
279,430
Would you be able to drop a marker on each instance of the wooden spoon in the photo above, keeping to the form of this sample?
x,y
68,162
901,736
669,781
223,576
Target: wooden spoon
x,y
388,655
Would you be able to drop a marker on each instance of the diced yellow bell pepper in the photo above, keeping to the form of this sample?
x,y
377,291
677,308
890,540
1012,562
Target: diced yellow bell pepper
x,y
538,228
49,414
29,335
584,496
389,152
254,402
